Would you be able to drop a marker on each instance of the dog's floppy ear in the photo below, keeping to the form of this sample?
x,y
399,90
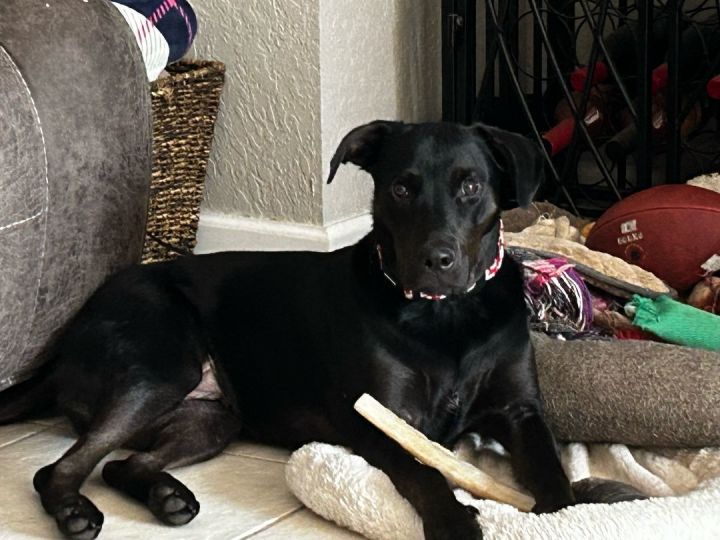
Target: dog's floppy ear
x,y
362,145
521,161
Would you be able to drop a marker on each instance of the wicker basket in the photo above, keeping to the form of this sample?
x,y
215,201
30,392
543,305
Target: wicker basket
x,y
185,107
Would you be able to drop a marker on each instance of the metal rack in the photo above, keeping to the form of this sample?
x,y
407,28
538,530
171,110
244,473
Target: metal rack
x,y
527,89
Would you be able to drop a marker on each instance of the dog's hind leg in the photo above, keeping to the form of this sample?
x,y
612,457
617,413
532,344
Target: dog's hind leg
x,y
118,420
195,431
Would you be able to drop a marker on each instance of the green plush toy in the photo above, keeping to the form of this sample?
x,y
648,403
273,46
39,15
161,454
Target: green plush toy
x,y
676,322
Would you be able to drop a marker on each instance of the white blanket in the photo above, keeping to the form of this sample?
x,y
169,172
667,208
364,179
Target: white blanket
x,y
684,484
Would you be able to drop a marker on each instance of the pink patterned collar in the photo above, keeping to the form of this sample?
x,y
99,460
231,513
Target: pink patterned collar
x,y
494,268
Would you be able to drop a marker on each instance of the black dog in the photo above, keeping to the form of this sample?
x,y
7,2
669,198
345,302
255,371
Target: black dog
x,y
425,314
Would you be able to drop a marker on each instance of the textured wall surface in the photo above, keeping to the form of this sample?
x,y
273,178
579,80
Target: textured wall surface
x,y
379,59
301,73
264,161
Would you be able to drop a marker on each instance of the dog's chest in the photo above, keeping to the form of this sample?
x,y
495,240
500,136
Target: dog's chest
x,y
431,380
434,400
442,417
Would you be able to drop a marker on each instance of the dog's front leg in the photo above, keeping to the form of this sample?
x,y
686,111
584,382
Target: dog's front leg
x,y
427,490
515,419
534,456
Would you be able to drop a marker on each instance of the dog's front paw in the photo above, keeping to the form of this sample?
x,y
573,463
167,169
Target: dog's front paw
x,y
548,508
460,523
553,500
553,505
79,519
172,502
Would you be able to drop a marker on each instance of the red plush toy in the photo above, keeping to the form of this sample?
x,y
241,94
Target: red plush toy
x,y
669,230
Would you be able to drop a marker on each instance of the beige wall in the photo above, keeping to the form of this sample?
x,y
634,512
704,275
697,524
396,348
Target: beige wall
x,y
301,73
264,161
380,59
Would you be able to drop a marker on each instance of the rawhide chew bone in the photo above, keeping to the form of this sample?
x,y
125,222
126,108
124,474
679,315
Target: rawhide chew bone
x,y
460,473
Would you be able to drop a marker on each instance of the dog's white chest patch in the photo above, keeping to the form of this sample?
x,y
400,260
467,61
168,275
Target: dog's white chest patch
x,y
208,388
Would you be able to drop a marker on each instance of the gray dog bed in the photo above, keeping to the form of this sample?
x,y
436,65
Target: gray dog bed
x,y
633,392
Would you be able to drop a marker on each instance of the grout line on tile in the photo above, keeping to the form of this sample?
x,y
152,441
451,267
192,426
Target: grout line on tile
x,y
47,422
25,436
270,523
259,458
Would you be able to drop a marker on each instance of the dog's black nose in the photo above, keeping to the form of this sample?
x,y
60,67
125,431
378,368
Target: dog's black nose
x,y
440,259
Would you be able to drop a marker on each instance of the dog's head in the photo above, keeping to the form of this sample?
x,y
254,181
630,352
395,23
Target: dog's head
x,y
439,190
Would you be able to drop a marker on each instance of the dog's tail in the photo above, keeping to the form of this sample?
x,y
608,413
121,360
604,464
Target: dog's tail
x,y
30,398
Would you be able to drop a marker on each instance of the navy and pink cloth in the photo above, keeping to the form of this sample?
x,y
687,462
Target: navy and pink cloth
x,y
164,30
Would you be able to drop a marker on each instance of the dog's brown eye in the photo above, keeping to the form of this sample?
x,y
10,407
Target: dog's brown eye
x,y
470,186
400,190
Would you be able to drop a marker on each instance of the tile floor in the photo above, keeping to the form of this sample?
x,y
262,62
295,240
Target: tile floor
x,y
242,494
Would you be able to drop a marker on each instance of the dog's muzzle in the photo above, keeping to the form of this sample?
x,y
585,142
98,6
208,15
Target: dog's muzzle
x,y
490,272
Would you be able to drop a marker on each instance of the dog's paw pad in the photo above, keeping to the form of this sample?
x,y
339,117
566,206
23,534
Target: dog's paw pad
x,y
79,519
460,522
172,503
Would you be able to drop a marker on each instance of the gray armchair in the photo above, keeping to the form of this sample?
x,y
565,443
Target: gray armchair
x,y
75,165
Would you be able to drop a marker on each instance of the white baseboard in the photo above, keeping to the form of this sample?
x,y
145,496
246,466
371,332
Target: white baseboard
x,y
222,232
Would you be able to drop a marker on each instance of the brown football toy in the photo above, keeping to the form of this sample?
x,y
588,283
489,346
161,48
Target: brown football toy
x,y
670,230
